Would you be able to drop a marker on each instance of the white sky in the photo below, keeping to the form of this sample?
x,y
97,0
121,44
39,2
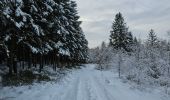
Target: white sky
x,y
140,16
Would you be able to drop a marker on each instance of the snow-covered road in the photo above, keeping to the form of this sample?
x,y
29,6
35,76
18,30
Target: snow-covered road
x,y
83,84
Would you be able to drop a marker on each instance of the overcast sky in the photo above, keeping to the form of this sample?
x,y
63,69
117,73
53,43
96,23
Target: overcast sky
x,y
140,16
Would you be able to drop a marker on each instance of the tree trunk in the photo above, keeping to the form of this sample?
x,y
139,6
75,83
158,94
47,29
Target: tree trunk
x,y
23,58
41,63
15,65
9,64
168,71
119,64
29,60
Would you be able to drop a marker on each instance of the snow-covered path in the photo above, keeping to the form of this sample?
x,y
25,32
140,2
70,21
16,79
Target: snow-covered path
x,y
84,84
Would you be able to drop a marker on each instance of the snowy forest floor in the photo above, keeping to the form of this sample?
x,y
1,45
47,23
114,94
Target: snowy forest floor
x,y
86,83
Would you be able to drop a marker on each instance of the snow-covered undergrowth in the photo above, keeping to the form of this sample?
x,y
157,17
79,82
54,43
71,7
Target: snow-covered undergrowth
x,y
144,67
86,83
140,72
43,89
31,76
139,77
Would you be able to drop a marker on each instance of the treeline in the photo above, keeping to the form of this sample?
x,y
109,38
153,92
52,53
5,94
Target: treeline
x,y
40,32
146,62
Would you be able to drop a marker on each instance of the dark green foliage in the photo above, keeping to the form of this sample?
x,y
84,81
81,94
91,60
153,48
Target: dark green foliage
x,y
23,78
40,32
120,37
152,39
26,77
152,45
43,78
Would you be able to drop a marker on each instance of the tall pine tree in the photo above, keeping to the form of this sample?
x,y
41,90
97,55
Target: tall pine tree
x,y
49,30
120,38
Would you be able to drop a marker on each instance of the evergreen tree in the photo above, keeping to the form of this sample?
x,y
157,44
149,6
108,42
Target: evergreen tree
x,y
48,30
135,41
12,23
152,46
103,46
130,39
120,38
152,39
76,40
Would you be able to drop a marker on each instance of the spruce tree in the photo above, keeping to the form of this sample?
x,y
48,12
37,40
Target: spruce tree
x,y
135,41
76,40
49,30
11,34
130,41
120,38
152,39
152,46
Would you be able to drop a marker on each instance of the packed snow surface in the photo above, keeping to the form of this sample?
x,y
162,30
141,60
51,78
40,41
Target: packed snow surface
x,y
86,83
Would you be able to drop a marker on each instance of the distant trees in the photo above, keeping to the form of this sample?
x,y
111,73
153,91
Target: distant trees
x,y
152,40
144,62
35,32
147,63
101,56
153,44
93,55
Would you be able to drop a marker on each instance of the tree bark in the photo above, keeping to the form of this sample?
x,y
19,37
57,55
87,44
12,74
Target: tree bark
x,y
15,65
9,64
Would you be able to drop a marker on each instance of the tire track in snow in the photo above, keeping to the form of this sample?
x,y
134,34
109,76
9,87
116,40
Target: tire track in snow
x,y
87,88
83,92
105,89
79,88
91,94
72,91
98,90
